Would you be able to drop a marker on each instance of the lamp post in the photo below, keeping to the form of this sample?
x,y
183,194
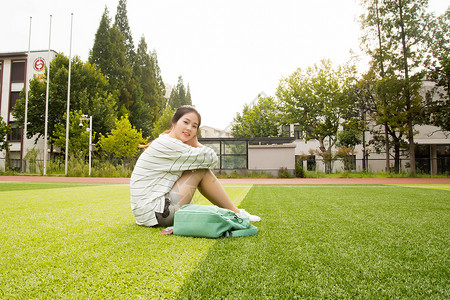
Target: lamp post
x,y
83,118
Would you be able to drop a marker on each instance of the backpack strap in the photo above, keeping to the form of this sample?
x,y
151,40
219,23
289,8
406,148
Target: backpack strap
x,y
252,230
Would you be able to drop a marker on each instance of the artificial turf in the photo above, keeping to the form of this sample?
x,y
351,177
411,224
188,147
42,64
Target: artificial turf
x,y
366,242
72,241
78,241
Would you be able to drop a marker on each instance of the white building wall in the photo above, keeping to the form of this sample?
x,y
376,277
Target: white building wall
x,y
211,132
271,158
32,67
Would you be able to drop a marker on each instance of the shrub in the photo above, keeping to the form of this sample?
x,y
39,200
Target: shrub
x,y
299,171
284,173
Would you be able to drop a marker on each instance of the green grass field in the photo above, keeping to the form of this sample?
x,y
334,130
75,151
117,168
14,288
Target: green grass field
x,y
79,241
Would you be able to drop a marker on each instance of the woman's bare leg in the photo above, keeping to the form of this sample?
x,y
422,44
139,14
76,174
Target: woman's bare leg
x,y
211,188
207,183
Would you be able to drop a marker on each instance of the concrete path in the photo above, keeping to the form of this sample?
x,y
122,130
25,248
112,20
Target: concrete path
x,y
242,180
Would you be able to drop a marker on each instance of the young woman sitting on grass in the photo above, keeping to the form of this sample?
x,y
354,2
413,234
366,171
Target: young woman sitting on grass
x,y
169,171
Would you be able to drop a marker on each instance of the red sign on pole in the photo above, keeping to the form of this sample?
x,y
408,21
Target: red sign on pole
x,y
39,64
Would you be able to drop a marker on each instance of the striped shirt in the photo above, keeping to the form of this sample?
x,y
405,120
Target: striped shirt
x,y
157,170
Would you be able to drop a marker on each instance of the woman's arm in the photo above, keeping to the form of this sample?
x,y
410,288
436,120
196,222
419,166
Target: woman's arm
x,y
173,155
194,143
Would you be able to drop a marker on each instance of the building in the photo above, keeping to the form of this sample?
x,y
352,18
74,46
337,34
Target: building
x,y
168,90
16,69
211,132
432,150
432,154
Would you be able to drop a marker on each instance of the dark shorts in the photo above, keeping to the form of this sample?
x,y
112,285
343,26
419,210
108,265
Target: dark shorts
x,y
165,218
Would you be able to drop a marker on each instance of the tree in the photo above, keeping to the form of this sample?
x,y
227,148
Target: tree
x,y
78,136
123,141
150,102
260,120
164,122
179,96
402,29
371,23
188,95
347,139
88,93
381,101
121,72
109,55
438,64
358,114
4,131
121,22
158,76
101,52
395,112
4,145
317,100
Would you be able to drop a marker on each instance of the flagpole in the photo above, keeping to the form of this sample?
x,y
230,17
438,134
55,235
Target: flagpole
x,y
68,98
46,99
24,135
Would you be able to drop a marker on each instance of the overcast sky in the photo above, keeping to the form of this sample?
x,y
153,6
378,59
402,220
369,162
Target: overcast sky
x,y
227,50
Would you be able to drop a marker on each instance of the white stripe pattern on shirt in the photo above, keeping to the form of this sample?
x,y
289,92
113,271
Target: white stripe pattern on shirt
x,y
157,170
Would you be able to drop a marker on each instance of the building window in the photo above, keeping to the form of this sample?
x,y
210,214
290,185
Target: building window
x,y
1,80
13,99
298,132
311,163
286,131
232,154
18,71
16,133
443,157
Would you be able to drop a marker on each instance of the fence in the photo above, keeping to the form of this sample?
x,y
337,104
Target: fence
x,y
230,160
440,165
77,167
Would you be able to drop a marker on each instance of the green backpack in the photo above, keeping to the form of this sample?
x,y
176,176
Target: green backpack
x,y
210,222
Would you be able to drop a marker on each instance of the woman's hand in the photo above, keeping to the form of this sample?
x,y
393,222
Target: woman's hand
x,y
194,143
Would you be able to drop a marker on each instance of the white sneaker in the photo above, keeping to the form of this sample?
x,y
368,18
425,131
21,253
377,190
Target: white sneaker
x,y
250,217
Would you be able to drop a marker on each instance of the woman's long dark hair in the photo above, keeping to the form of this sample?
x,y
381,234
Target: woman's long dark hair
x,y
180,112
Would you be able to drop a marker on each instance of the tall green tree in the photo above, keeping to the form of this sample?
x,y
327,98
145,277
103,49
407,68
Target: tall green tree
x,y
438,64
101,53
121,76
263,119
147,108
374,41
317,99
402,26
394,110
358,115
188,95
109,55
121,22
158,76
382,104
89,93
179,96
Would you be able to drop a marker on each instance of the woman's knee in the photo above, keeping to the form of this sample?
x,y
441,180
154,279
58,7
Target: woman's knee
x,y
190,179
